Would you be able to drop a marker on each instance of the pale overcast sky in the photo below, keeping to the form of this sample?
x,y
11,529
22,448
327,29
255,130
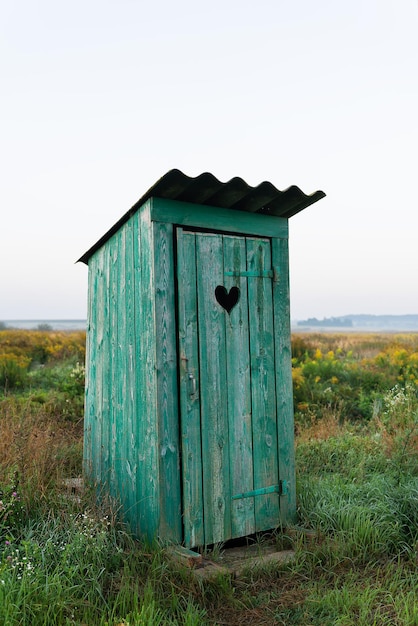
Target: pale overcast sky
x,y
100,99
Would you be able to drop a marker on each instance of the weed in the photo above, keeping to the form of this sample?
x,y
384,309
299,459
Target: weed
x,y
397,426
13,371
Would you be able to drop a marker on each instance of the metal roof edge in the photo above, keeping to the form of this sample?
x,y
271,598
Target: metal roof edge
x,y
206,189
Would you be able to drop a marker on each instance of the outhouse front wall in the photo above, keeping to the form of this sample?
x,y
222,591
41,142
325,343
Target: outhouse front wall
x,y
132,443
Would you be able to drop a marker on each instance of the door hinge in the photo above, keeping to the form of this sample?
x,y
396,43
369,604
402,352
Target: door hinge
x,y
281,489
274,274
252,273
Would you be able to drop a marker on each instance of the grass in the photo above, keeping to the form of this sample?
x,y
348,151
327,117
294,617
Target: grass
x,y
66,560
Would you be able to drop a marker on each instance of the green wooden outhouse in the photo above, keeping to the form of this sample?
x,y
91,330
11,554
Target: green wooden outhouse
x,y
189,413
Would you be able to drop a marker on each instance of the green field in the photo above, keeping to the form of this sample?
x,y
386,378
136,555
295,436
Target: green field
x,y
65,560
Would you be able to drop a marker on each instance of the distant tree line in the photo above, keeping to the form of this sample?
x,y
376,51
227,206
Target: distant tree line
x,y
42,326
327,321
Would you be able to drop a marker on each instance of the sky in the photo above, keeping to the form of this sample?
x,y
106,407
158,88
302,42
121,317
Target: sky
x,y
99,99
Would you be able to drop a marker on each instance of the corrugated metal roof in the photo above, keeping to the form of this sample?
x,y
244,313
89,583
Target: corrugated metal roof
x,y
206,189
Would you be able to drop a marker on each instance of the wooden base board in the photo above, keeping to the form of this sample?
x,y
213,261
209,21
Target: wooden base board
x,y
232,561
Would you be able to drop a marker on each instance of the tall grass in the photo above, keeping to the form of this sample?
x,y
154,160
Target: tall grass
x,y
65,559
80,568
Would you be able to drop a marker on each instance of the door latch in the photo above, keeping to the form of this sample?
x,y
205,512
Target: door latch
x,y
191,382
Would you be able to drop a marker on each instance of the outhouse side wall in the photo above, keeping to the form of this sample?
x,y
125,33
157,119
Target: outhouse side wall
x,y
122,449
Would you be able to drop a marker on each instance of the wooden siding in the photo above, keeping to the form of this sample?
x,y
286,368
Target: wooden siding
x,y
239,389
146,451
213,391
194,534
266,471
170,523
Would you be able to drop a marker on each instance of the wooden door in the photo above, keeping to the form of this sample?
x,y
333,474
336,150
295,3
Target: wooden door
x,y
227,386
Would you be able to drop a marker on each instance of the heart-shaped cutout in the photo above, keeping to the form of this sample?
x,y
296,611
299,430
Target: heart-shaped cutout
x,y
226,299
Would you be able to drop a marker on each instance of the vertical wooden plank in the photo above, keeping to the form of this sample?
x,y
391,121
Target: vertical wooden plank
x,y
282,337
137,516
99,416
192,470
96,361
263,383
213,401
113,252
129,444
146,519
239,390
90,390
120,371
104,362
167,397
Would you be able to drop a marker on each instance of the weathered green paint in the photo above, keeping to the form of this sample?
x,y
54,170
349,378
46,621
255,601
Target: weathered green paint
x,y
263,382
147,424
103,347
92,453
128,442
119,372
239,387
213,390
167,398
114,453
192,475
188,405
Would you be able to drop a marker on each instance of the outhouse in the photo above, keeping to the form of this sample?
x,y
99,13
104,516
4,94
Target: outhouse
x,y
189,413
